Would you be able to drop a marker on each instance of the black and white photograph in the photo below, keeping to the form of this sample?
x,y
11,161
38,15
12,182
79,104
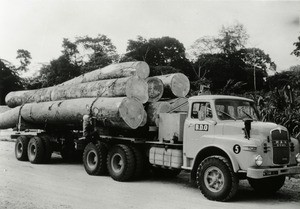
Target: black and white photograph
x,y
149,104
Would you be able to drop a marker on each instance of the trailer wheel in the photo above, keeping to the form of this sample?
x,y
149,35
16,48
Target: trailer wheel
x,y
268,185
47,147
21,148
139,162
36,150
121,162
216,179
94,158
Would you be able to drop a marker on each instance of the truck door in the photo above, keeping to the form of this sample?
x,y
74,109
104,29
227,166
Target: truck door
x,y
199,128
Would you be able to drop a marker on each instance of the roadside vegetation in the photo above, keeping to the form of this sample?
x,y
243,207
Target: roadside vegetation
x,y
225,63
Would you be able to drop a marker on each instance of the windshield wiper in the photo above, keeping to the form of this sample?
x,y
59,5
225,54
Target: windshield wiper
x,y
227,114
248,114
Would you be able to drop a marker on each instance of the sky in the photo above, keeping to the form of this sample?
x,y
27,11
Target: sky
x,y
39,26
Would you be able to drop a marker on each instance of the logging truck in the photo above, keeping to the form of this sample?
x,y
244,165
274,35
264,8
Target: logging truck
x,y
219,140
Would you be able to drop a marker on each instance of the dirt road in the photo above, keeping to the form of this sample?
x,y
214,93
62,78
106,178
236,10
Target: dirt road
x,y
60,185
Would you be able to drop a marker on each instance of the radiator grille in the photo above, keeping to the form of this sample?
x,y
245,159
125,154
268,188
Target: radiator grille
x,y
280,141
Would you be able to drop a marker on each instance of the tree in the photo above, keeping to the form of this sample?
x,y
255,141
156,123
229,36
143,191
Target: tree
x,y
96,52
226,62
165,51
296,51
58,71
70,51
232,38
24,57
289,77
9,80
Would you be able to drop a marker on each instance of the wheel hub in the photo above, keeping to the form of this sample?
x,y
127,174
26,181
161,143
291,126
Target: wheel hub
x,y
19,149
214,179
117,163
92,159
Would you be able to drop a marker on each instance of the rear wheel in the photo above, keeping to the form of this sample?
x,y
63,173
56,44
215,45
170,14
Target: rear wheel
x,y
216,179
47,147
21,148
268,185
36,150
121,163
94,158
139,162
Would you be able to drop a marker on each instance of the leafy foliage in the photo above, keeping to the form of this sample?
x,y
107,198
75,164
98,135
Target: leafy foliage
x,y
279,106
296,51
9,80
24,57
58,71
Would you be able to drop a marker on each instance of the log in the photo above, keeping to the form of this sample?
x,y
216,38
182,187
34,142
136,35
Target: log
x,y
118,70
121,112
132,87
144,122
155,89
153,111
175,85
4,108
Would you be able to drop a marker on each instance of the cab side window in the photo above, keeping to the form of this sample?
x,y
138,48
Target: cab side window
x,y
201,108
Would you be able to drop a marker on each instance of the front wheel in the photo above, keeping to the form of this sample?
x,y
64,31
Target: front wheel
x,y
268,185
216,179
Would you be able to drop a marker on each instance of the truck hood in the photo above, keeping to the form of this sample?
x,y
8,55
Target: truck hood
x,y
257,128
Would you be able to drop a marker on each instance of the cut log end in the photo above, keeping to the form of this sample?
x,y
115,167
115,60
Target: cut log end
x,y
180,85
132,112
143,69
137,88
155,89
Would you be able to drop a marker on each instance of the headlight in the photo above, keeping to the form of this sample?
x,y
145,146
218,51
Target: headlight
x,y
298,158
258,160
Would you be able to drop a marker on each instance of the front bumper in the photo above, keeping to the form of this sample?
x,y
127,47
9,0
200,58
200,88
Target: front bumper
x,y
258,173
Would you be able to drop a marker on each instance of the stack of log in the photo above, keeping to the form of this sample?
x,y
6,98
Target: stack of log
x,y
119,95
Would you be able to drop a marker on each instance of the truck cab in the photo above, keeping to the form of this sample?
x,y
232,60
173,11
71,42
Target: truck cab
x,y
223,138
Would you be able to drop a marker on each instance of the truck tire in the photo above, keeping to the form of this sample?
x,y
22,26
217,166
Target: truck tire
x,y
47,147
121,162
216,179
36,151
94,158
139,162
67,151
268,185
21,148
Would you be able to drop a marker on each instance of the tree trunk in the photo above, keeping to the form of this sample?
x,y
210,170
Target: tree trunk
x,y
132,87
153,111
175,85
155,89
118,70
119,112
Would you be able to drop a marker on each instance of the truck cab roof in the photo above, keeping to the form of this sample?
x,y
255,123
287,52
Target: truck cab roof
x,y
214,97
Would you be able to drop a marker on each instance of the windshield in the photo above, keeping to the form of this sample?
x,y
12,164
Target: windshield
x,y
235,109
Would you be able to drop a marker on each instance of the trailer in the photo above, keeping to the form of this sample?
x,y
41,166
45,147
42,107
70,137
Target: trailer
x,y
219,140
